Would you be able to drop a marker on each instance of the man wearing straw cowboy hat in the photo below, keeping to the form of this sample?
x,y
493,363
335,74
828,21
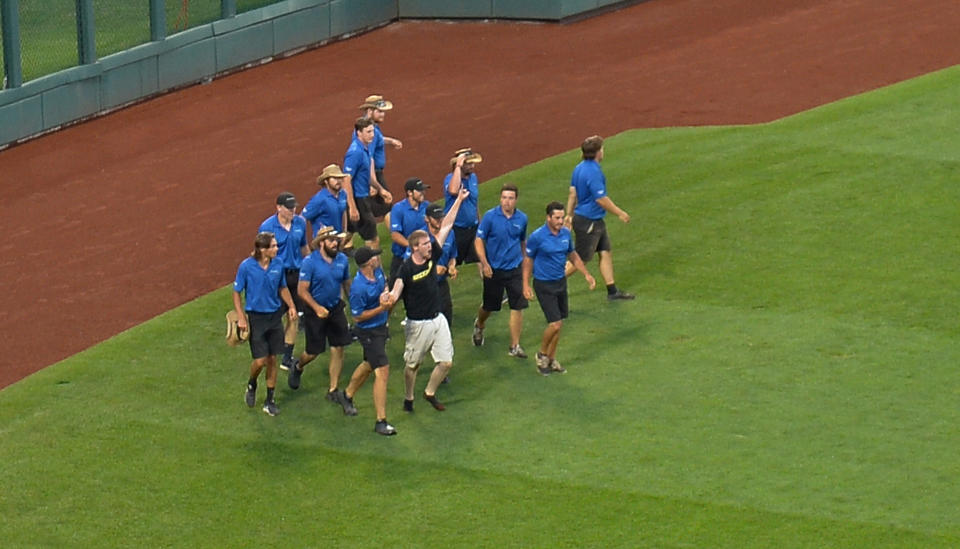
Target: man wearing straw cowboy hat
x,y
375,107
324,278
464,163
328,208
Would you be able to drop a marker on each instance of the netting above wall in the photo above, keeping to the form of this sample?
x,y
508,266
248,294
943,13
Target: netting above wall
x,y
48,36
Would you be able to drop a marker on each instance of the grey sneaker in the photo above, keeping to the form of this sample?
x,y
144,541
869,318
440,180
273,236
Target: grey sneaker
x,y
517,351
620,295
347,403
251,396
477,334
543,364
384,428
556,367
293,378
270,407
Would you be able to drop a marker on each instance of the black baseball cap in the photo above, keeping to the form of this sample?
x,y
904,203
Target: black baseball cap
x,y
435,211
415,184
365,254
287,200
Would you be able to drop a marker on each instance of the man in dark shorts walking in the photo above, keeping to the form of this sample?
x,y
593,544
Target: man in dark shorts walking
x,y
375,107
324,277
426,330
362,186
370,305
500,248
260,278
587,205
290,231
548,249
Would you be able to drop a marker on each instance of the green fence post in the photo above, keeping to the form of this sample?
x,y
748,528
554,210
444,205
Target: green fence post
x,y
10,21
228,8
158,21
86,37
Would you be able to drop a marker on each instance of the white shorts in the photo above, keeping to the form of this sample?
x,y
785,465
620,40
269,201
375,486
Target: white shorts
x,y
423,336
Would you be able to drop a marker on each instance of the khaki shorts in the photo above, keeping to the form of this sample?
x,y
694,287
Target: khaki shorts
x,y
427,336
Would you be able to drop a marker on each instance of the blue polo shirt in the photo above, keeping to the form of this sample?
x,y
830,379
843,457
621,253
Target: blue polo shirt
x,y
591,184
325,210
379,154
290,243
467,216
448,252
549,252
365,295
262,286
405,219
356,164
325,279
503,238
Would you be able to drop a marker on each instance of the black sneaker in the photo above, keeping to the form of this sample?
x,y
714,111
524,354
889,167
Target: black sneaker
x,y
270,407
289,364
251,396
432,399
347,403
620,295
407,405
384,428
477,334
334,396
293,378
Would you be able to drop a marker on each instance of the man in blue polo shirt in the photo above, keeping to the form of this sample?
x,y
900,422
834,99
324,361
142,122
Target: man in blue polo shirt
x,y
291,233
362,186
324,278
370,306
375,107
549,248
328,208
500,249
406,216
588,204
464,175
261,279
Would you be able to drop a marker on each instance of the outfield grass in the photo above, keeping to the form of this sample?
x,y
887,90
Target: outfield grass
x,y
786,377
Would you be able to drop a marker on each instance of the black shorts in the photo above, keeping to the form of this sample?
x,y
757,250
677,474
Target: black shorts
x,y
374,343
366,226
446,300
266,333
493,288
466,250
333,329
293,282
591,237
552,295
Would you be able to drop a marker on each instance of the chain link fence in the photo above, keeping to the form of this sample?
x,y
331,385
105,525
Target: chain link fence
x,y
48,36
48,28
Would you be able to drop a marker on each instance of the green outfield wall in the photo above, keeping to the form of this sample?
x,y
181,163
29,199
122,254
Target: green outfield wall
x,y
236,40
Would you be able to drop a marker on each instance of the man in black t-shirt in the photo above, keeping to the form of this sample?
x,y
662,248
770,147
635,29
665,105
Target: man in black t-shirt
x,y
426,330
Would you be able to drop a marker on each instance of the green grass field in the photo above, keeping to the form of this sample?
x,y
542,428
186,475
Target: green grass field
x,y
787,377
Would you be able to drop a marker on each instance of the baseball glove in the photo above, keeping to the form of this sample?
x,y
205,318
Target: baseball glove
x,y
236,336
